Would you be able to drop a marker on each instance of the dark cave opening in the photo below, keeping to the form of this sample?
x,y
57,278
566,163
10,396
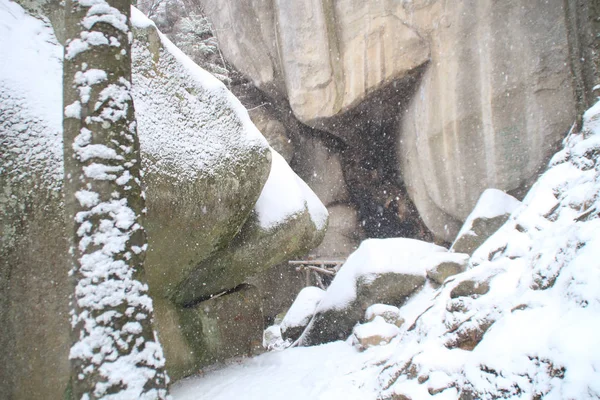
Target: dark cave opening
x,y
366,139
371,167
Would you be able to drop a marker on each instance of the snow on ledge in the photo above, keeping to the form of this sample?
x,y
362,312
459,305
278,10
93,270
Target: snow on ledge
x,y
374,257
285,196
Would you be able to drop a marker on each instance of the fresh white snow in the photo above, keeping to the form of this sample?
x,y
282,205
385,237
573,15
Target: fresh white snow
x,y
373,257
379,328
285,196
328,372
30,98
303,307
389,313
191,124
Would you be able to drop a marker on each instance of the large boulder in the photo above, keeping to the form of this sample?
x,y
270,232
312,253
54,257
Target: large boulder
x,y
477,112
488,112
197,143
204,161
34,285
287,221
324,57
384,271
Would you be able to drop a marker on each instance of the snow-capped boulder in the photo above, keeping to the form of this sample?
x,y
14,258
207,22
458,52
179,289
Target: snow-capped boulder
x,y
375,333
440,266
301,312
491,211
204,161
288,220
381,271
390,314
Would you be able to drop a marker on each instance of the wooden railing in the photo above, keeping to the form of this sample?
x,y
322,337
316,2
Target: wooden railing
x,y
323,271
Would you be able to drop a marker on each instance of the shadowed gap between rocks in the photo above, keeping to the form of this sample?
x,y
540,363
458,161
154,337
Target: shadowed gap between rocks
x,y
195,302
365,139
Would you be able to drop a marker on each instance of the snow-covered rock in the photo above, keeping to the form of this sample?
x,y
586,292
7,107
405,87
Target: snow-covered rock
x,y
204,161
34,285
390,314
288,220
381,271
301,312
440,266
533,334
272,339
374,333
491,211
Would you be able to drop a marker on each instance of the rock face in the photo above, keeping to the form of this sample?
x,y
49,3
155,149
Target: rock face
x,y
485,113
273,130
343,233
443,265
280,228
34,286
324,57
488,112
224,327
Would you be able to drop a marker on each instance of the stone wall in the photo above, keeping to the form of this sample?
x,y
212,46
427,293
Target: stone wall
x,y
498,85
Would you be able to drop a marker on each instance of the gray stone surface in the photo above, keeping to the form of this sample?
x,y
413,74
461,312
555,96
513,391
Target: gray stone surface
x,y
321,168
34,281
481,230
273,130
253,250
488,111
224,327
278,287
470,288
343,233
447,265
204,161
324,57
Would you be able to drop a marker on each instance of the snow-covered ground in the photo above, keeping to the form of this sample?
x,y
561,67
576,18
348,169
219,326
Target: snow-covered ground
x,y
530,330
331,371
